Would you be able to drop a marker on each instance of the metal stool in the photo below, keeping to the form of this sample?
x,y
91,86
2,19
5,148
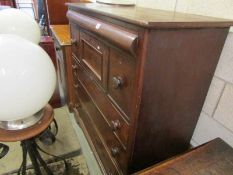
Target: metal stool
x,y
29,146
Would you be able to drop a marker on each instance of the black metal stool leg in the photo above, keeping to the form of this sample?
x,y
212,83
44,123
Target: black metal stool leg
x,y
22,168
3,150
42,162
33,157
30,147
24,162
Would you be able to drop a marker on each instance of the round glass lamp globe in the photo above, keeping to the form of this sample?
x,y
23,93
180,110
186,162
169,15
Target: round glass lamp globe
x,y
14,21
27,78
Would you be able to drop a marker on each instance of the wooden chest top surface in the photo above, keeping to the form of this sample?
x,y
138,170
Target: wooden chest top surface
x,y
152,18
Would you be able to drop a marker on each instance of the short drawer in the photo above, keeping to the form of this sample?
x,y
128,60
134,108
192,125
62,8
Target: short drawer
x,y
111,115
114,147
121,80
94,57
74,34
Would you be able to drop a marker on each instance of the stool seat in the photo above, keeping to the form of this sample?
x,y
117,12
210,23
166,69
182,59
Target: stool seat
x,y
27,133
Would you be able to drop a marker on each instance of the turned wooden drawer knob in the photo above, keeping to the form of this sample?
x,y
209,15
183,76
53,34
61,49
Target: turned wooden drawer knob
x,y
116,125
115,151
117,82
74,67
74,41
71,105
76,86
76,106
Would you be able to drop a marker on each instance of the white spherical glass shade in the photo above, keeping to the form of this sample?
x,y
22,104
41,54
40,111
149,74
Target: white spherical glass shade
x,y
14,21
27,78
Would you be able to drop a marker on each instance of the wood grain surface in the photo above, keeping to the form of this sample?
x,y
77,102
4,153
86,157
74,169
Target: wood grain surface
x,y
213,158
152,18
158,91
62,33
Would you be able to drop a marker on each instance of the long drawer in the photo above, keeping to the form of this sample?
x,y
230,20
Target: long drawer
x,y
99,149
114,148
121,37
116,123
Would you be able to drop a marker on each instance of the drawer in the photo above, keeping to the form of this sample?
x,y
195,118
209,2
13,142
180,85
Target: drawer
x,y
118,36
121,82
94,57
113,146
99,148
74,34
112,117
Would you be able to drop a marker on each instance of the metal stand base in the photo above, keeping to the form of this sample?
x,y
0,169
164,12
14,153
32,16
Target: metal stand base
x,y
22,123
30,147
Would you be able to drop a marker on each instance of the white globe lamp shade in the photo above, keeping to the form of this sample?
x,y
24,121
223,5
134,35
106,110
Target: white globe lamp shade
x,y
14,21
27,78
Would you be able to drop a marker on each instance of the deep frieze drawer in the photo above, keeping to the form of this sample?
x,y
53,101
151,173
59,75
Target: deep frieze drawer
x,y
122,38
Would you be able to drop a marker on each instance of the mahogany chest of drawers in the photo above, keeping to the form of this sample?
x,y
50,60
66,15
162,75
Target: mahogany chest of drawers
x,y
140,79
